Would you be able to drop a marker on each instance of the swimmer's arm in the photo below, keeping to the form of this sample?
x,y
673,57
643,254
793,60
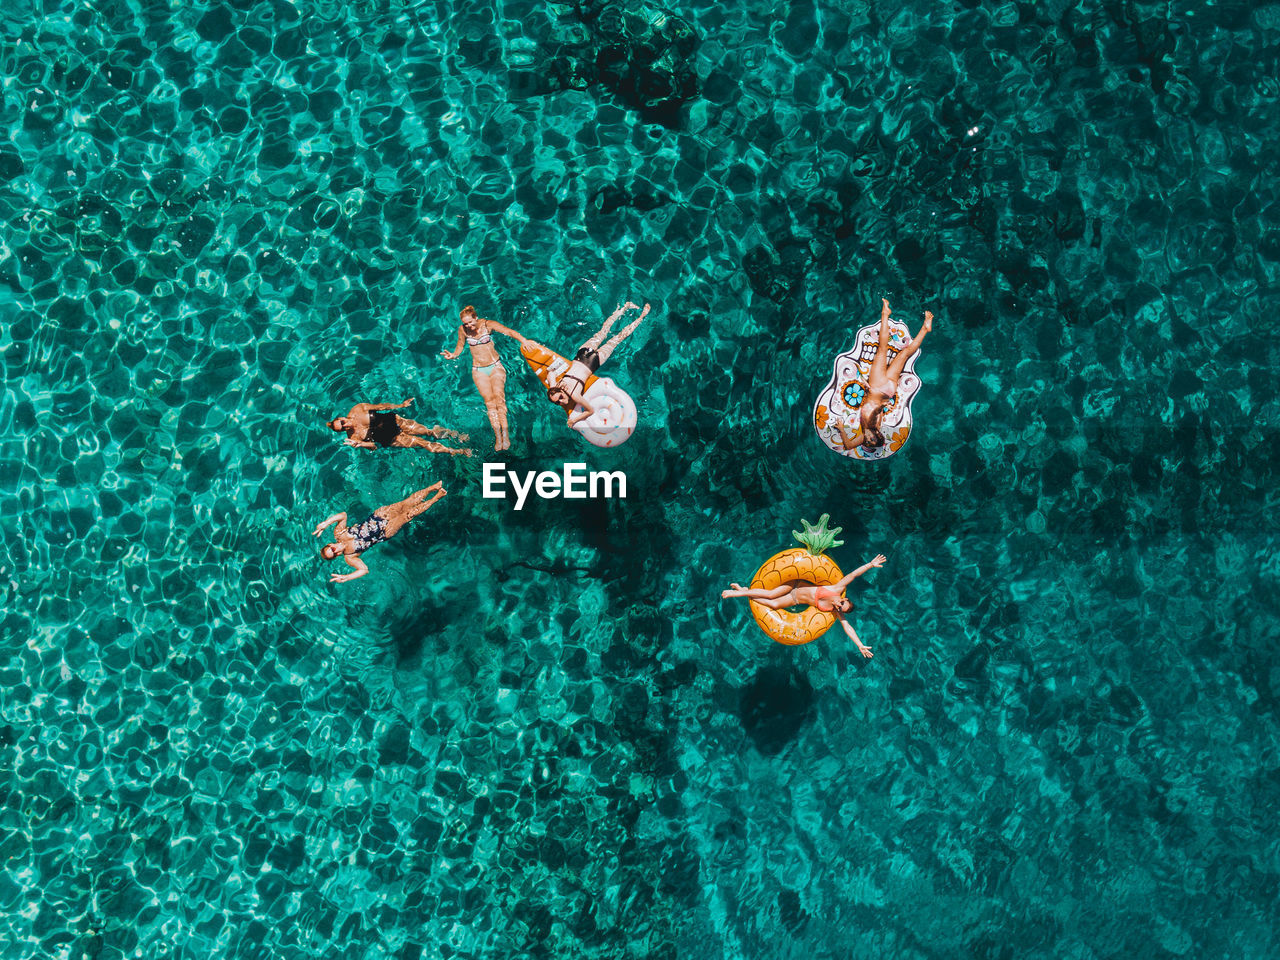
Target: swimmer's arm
x,y
586,411
362,444
849,441
879,561
339,518
506,331
456,352
853,635
366,407
579,397
355,563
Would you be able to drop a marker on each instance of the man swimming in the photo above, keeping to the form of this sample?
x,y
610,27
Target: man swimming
x,y
372,425
383,524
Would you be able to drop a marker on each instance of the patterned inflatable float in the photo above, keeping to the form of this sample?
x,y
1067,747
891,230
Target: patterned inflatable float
x,y
839,401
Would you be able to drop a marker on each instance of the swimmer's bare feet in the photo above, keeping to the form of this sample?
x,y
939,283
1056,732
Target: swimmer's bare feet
x,y
884,309
729,592
928,322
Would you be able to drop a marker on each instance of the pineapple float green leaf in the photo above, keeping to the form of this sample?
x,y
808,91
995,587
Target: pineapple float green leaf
x,y
817,537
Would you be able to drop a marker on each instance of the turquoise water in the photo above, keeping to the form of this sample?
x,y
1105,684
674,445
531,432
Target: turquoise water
x,y
542,734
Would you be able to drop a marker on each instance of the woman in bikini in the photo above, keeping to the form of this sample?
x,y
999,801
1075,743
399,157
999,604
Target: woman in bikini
x,y
882,384
569,389
382,524
487,371
826,598
371,425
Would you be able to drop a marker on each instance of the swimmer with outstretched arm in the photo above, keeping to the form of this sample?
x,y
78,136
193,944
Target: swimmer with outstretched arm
x,y
383,524
569,391
825,598
882,384
487,371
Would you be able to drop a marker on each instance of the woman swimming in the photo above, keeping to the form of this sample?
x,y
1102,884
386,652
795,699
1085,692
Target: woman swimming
x,y
372,425
487,371
825,598
882,384
382,524
568,391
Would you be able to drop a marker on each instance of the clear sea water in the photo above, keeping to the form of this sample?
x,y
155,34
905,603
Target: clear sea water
x,y
542,734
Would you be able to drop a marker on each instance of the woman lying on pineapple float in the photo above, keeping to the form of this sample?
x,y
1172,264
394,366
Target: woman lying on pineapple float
x,y
824,596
